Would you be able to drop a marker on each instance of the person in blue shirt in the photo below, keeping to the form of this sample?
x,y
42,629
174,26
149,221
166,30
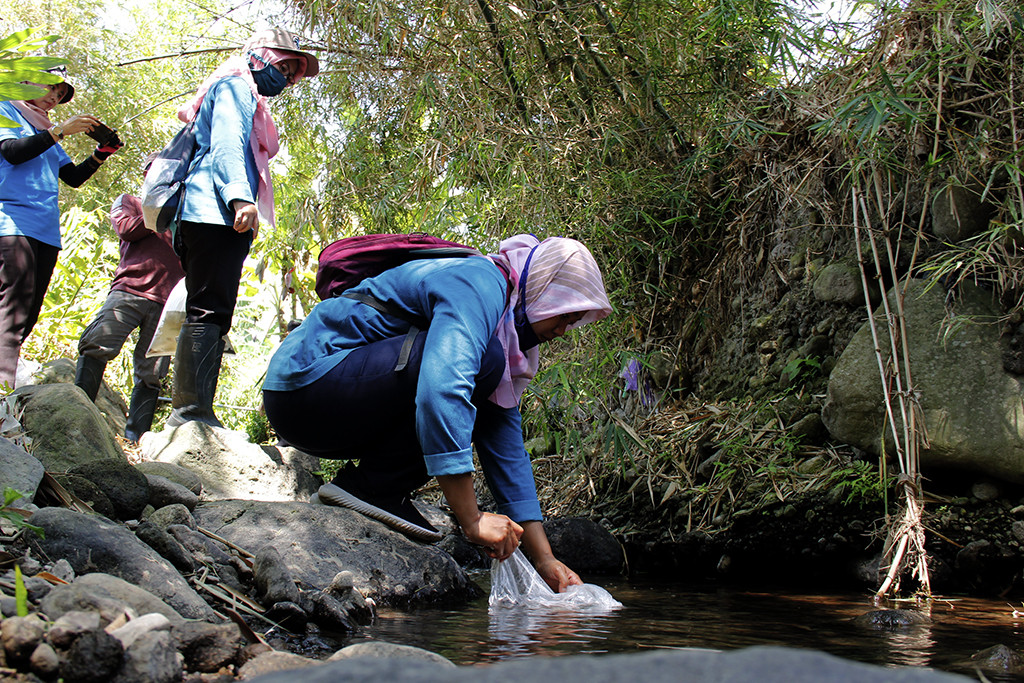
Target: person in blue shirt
x,y
227,191
347,385
31,162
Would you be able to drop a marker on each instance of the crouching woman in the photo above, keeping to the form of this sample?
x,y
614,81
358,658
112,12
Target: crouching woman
x,y
356,381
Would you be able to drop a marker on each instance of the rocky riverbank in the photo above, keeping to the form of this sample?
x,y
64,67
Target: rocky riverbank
x,y
175,566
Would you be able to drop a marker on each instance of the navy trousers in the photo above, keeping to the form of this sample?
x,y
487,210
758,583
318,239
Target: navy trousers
x,y
365,410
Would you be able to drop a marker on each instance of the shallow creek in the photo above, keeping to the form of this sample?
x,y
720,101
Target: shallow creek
x,y
661,615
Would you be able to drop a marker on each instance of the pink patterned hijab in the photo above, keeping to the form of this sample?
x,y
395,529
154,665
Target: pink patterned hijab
x,y
562,278
264,140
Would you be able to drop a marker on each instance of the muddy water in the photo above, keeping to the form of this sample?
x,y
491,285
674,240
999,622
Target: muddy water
x,y
659,615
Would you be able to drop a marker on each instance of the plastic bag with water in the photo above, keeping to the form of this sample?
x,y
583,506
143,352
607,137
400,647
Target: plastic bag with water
x,y
515,582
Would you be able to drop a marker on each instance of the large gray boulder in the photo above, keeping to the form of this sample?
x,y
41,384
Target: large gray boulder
x,y
318,541
66,427
93,544
971,407
229,466
749,665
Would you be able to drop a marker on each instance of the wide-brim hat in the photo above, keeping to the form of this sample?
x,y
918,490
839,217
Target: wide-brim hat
x,y
280,39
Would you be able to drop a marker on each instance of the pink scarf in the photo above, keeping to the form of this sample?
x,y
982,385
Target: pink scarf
x,y
38,118
563,277
264,141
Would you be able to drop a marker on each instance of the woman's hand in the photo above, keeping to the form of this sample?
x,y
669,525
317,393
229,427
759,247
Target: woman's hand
x,y
82,123
247,216
554,572
557,575
498,534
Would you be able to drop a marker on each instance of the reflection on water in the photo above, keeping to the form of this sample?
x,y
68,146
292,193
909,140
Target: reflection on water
x,y
658,615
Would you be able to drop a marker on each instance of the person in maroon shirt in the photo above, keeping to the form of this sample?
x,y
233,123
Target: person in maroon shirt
x,y
144,278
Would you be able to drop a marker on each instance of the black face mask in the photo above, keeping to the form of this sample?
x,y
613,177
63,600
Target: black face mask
x,y
269,80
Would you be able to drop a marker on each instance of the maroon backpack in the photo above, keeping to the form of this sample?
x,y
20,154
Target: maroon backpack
x,y
347,262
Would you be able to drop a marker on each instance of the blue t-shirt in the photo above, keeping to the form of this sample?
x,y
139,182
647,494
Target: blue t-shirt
x,y
464,299
223,168
28,191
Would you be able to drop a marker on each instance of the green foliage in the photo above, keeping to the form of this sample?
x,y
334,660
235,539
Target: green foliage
x,y
800,369
13,516
20,593
16,66
257,427
861,482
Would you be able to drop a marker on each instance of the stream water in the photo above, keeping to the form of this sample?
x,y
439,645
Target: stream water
x,y
660,615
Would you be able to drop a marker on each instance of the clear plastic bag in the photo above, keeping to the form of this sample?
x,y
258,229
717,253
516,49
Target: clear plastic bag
x,y
515,582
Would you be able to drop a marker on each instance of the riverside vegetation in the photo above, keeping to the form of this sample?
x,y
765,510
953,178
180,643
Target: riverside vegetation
x,y
751,197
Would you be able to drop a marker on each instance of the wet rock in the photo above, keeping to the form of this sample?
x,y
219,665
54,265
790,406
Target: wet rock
x,y
891,619
91,543
125,487
390,650
356,606
289,615
999,658
151,658
274,583
330,613
175,513
584,545
94,657
168,546
163,491
208,647
986,567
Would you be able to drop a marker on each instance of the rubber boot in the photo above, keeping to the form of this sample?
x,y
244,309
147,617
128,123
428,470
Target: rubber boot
x,y
196,367
140,413
89,375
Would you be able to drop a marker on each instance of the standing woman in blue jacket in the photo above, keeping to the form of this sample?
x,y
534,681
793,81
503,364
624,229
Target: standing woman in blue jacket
x,y
31,162
341,387
227,192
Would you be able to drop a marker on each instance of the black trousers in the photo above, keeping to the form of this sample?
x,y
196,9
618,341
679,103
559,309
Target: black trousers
x,y
212,256
26,265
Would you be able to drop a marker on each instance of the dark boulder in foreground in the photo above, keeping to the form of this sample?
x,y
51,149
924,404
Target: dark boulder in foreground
x,y
750,665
